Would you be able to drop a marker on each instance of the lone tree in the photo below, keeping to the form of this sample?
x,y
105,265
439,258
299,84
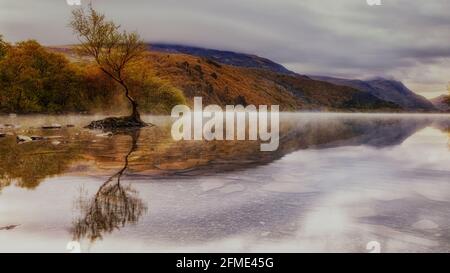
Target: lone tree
x,y
113,50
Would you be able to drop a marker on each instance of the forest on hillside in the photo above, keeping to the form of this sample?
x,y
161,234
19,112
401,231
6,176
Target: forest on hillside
x,y
34,79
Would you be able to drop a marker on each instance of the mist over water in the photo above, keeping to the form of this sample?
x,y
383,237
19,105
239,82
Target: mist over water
x,y
336,182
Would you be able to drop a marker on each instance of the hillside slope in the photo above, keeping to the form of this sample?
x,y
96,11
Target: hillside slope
x,y
387,90
226,84
257,82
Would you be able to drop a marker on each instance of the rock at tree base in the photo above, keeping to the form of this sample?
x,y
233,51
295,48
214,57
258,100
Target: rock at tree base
x,y
117,123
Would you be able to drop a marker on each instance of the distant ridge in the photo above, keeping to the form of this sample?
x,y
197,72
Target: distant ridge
x,y
224,57
386,89
441,103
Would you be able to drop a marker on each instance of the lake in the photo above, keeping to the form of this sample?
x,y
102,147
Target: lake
x,y
336,183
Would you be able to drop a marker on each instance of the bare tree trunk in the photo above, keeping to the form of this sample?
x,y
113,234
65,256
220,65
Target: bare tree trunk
x,y
135,115
133,120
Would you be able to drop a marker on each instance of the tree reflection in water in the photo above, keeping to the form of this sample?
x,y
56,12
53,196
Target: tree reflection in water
x,y
113,206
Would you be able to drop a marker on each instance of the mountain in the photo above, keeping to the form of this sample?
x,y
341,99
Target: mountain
x,y
383,89
386,89
224,84
224,77
224,57
442,103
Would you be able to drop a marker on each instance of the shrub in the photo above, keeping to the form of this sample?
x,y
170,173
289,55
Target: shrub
x,y
33,79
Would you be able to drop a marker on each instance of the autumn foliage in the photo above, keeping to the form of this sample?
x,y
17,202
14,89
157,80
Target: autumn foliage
x,y
34,79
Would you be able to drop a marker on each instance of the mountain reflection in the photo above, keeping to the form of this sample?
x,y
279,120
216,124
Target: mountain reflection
x,y
26,165
155,155
113,206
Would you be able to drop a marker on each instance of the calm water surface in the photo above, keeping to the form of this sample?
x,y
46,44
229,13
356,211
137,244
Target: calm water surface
x,y
337,182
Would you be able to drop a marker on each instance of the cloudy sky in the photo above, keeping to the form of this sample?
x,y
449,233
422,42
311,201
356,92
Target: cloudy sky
x,y
405,39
